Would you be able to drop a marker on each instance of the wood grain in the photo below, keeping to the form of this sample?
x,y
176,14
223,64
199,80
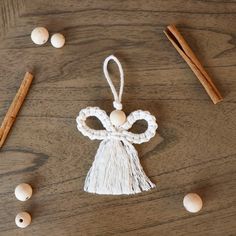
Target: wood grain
x,y
194,150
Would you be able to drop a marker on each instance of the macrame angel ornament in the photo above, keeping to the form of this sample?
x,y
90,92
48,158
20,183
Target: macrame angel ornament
x,y
116,168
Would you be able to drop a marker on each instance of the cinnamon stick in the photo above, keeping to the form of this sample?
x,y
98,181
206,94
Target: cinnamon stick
x,y
15,107
188,55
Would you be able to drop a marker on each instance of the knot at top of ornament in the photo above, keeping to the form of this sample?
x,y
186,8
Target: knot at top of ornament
x,y
117,105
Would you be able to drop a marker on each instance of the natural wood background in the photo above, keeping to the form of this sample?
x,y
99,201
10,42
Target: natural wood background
x,y
194,151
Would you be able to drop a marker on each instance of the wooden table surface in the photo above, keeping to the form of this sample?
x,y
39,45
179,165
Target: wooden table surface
x,y
194,151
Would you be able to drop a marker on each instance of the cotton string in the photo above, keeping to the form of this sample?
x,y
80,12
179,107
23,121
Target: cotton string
x,y
117,99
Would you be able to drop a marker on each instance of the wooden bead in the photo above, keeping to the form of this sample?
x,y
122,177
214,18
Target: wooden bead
x,y
117,117
192,202
23,192
40,35
23,219
58,40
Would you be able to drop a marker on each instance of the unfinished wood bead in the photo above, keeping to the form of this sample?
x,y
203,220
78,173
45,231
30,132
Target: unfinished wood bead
x,y
117,117
58,40
40,35
23,219
192,202
23,192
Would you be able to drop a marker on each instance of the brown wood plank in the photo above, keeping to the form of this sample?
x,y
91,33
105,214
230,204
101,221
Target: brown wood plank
x,y
195,146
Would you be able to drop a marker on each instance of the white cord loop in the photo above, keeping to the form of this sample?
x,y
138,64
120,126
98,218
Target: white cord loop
x,y
110,132
117,99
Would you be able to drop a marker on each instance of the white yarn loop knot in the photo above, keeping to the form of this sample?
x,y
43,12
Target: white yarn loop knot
x,y
117,105
117,98
121,133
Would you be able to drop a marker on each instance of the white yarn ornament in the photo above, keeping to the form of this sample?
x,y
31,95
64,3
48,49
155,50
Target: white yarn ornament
x,y
116,169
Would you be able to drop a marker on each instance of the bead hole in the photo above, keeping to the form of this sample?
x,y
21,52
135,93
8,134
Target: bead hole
x,y
21,220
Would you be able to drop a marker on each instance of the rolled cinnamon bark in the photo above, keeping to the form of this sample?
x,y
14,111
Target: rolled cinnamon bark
x,y
15,107
188,55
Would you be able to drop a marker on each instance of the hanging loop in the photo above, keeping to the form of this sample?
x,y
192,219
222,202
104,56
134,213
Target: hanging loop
x,y
117,98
